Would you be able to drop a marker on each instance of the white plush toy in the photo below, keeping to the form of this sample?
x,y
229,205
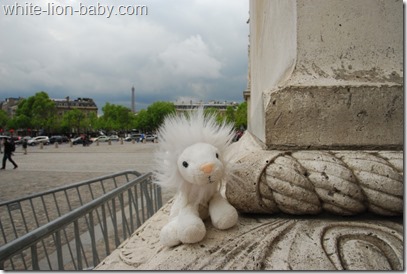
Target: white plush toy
x,y
191,158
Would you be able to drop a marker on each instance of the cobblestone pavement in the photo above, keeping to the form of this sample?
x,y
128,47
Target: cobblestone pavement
x,y
51,166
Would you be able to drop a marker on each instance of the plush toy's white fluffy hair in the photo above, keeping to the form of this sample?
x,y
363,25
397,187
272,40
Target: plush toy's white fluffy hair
x,y
181,131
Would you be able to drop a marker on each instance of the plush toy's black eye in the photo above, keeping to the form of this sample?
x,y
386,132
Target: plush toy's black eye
x,y
185,164
217,155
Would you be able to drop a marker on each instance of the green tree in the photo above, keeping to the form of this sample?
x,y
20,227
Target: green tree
x,y
93,121
211,111
124,117
43,111
150,119
116,117
19,121
230,114
241,116
142,121
157,112
214,111
37,112
74,118
3,119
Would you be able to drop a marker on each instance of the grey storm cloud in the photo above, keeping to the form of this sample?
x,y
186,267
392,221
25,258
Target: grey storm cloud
x,y
179,49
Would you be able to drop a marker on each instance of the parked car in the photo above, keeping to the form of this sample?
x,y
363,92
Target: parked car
x,y
135,137
128,139
79,141
114,138
100,139
26,138
151,138
37,140
59,139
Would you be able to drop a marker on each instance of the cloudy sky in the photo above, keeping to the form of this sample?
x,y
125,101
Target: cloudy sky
x,y
172,50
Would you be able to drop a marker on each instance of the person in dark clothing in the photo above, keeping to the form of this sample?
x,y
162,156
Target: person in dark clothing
x,y
25,144
8,150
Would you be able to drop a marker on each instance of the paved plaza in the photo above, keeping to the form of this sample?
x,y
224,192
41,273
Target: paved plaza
x,y
50,167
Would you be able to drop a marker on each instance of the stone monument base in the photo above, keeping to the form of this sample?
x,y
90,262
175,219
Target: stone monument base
x,y
264,242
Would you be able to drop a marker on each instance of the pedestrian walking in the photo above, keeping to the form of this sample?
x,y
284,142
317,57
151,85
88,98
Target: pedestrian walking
x,y
25,144
8,151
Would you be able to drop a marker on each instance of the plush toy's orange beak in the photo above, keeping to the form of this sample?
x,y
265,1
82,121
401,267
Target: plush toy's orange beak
x,y
207,168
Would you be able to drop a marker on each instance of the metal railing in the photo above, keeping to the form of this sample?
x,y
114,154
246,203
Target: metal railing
x,y
84,222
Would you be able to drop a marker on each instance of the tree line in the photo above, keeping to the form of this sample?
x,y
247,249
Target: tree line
x,y
38,113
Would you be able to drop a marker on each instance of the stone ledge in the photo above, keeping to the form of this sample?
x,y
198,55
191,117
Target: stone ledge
x,y
261,242
279,241
334,117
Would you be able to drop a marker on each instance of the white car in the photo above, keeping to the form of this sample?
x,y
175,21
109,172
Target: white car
x,y
100,139
39,139
114,138
151,138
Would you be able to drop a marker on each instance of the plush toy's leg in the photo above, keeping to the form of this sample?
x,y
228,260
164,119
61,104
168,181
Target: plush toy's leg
x,y
223,215
169,234
191,228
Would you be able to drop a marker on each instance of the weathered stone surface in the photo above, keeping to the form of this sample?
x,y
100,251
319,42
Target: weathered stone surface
x,y
259,242
324,74
349,41
311,182
335,117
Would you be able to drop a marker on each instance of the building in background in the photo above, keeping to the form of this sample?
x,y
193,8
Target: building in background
x,y
10,105
187,106
86,105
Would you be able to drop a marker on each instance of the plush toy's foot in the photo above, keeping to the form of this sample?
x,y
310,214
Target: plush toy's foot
x,y
186,228
223,215
191,228
191,231
168,235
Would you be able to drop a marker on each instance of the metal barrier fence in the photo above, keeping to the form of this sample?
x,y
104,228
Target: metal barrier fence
x,y
74,227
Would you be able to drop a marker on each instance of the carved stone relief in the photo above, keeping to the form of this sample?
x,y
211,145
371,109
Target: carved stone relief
x,y
261,242
312,182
